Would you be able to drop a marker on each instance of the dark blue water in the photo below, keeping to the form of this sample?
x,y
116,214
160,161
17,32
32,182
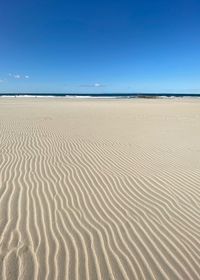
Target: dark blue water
x,y
103,95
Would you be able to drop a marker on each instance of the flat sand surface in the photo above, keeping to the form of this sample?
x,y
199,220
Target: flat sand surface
x,y
99,189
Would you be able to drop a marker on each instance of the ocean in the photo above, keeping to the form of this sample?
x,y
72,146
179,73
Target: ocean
x,y
102,95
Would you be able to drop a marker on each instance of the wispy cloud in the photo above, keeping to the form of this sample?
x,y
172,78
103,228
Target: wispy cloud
x,y
97,85
17,76
1,80
93,85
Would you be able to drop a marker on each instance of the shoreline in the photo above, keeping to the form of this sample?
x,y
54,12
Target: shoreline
x,y
101,96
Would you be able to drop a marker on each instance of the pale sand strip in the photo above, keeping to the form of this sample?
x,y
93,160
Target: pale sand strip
x,y
99,189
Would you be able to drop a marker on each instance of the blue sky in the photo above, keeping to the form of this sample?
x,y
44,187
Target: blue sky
x,y
100,46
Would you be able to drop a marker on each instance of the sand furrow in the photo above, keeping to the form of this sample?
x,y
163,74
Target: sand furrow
x,y
99,189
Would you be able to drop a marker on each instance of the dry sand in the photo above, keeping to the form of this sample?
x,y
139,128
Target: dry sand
x,y
99,189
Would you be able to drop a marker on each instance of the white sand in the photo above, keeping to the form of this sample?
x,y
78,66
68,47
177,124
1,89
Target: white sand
x,y
99,189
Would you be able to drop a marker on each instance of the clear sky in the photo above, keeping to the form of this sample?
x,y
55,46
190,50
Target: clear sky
x,y
100,46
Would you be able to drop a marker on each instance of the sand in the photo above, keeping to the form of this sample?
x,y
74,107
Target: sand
x,y
99,189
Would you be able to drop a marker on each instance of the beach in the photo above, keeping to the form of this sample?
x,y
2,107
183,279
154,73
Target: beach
x,y
99,189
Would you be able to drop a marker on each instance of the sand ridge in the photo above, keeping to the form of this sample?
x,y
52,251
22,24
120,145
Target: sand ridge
x,y
99,189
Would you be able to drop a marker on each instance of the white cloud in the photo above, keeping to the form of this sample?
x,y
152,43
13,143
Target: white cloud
x,y
1,81
93,85
17,76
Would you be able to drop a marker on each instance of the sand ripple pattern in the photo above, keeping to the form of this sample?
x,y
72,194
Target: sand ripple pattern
x,y
99,189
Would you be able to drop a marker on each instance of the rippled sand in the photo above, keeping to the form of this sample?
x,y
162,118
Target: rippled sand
x,y
99,189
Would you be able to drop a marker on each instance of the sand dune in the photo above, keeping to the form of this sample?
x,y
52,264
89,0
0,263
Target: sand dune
x,y
99,189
